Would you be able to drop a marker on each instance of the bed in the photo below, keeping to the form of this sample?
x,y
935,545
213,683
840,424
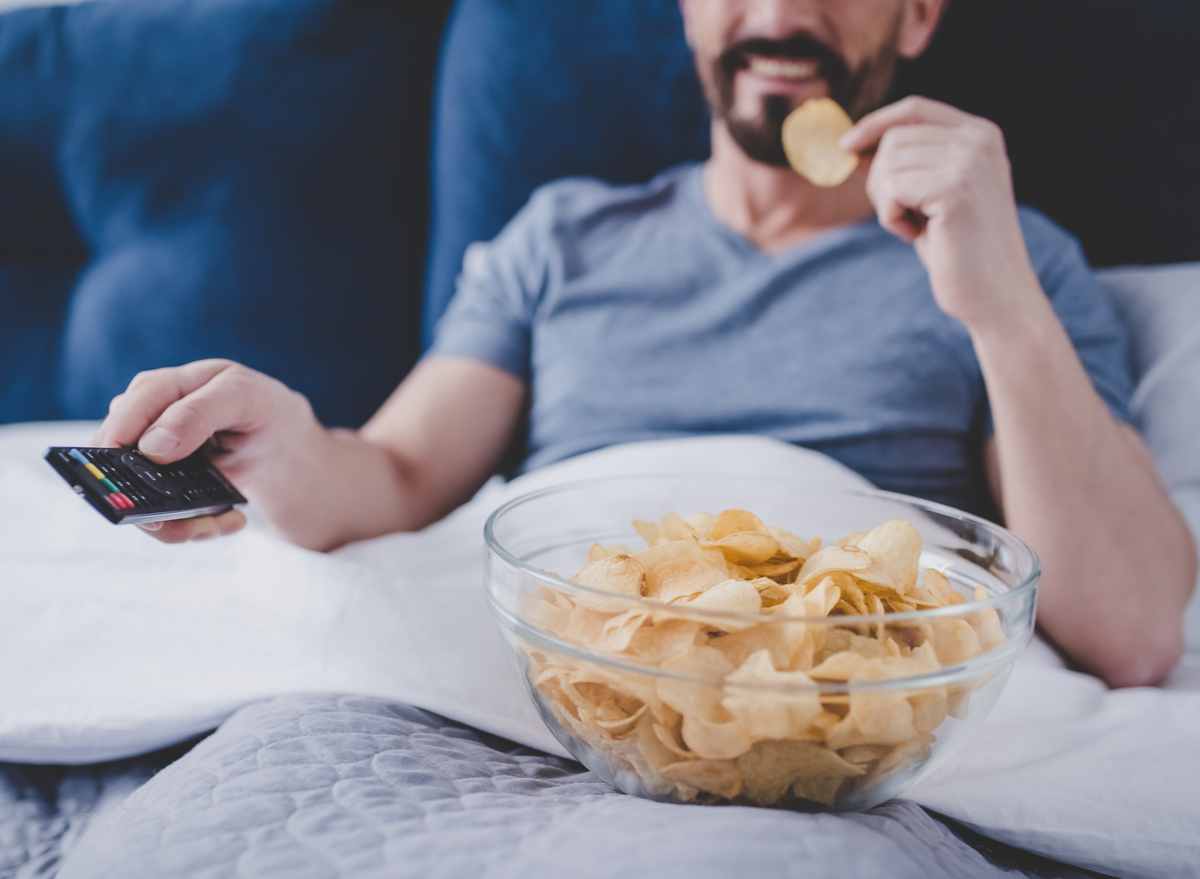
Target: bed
x,y
312,669
244,709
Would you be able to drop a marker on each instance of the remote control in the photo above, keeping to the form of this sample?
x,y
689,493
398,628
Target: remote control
x,y
126,486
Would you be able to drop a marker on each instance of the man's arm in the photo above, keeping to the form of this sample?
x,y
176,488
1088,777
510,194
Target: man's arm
x,y
1118,561
432,444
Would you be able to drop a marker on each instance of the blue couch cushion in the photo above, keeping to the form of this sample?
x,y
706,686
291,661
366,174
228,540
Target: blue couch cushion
x,y
603,88
1099,101
182,179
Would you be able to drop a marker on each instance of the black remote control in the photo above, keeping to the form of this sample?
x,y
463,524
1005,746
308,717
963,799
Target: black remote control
x,y
126,486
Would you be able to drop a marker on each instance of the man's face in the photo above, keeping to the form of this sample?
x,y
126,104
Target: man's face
x,y
760,59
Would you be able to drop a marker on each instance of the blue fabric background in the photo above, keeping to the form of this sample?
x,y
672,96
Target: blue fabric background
x,y
183,179
1099,101
247,178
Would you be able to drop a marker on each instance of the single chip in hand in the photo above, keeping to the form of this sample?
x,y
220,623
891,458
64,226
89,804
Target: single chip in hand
x,y
810,140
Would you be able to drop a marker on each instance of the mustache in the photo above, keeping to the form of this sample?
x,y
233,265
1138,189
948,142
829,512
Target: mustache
x,y
834,68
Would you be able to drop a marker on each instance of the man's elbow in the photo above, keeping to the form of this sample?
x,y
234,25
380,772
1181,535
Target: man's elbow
x,y
1150,651
1142,652
1145,665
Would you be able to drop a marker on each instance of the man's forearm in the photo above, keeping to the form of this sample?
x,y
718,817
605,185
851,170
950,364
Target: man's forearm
x,y
332,487
1118,560
427,450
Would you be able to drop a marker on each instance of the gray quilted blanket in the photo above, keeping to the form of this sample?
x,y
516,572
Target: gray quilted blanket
x,y
357,788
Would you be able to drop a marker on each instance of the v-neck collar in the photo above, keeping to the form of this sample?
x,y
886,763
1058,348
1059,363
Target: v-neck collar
x,y
693,187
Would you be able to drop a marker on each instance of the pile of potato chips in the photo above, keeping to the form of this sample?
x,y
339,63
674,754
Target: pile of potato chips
x,y
729,707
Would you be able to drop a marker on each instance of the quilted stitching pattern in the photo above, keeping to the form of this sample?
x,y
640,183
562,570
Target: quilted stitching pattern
x,y
325,787
45,810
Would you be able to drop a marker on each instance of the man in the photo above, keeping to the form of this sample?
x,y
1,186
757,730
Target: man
x,y
910,322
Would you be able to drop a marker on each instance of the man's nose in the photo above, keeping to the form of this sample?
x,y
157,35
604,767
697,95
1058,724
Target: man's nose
x,y
778,19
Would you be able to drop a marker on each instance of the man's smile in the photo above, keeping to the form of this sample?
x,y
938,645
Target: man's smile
x,y
785,69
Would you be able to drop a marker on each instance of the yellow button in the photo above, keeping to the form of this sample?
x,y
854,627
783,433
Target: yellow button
x,y
95,471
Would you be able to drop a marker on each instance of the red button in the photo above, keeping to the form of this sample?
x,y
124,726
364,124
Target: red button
x,y
129,505
110,499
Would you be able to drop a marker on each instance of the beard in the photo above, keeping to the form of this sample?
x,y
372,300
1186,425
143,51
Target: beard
x,y
760,134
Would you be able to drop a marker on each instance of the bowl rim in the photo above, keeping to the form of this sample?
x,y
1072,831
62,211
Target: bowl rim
x,y
1010,595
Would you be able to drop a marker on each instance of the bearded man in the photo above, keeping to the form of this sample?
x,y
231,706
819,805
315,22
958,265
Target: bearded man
x,y
913,323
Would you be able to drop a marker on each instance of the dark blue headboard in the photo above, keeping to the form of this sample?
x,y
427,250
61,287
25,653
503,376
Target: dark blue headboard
x,y
1099,100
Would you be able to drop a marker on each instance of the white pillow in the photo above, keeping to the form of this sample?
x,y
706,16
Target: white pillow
x,y
1161,307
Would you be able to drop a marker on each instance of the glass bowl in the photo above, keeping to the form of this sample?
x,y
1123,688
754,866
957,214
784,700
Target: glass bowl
x,y
689,705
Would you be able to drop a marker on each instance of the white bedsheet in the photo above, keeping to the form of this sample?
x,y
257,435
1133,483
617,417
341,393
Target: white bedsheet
x,y
111,644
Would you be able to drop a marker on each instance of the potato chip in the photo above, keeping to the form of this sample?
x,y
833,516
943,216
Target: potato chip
x,y
664,638
715,739
822,787
954,641
701,524
619,574
735,521
930,708
767,713
748,547
895,551
987,624
695,697
586,624
862,754
671,742
792,545
732,596
716,558
789,649
671,527
812,771
719,777
546,614
876,716
810,140
775,570
654,556
648,531
823,599
844,558
771,592
682,578
934,590
618,631
915,751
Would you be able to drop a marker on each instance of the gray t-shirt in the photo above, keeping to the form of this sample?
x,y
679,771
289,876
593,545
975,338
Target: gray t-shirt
x,y
634,313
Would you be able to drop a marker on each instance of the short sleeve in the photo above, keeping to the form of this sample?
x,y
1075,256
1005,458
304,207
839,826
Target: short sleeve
x,y
1085,310
490,316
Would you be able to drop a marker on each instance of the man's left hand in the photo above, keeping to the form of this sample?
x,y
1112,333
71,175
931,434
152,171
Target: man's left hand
x,y
940,178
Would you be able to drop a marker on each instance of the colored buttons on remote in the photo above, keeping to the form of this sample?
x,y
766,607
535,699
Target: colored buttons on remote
x,y
126,486
115,495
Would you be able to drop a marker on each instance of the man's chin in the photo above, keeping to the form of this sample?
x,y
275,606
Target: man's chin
x,y
761,145
761,137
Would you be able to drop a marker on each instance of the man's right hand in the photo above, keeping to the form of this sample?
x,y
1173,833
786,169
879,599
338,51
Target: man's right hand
x,y
245,419
428,448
